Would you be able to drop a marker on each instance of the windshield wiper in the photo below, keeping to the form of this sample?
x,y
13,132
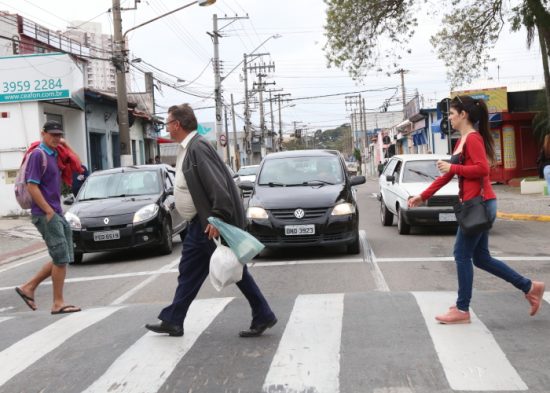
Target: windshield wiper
x,y
322,182
422,174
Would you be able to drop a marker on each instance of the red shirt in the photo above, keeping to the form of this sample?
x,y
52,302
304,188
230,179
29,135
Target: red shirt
x,y
474,169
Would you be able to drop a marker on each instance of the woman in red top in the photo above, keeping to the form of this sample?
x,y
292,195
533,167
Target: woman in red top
x,y
470,162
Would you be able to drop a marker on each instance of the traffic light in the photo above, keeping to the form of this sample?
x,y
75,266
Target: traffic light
x,y
443,106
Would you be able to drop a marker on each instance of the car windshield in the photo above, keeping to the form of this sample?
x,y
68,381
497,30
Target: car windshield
x,y
248,170
129,183
420,171
297,171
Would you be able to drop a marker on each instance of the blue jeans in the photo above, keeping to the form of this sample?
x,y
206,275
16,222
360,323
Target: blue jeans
x,y
193,270
476,248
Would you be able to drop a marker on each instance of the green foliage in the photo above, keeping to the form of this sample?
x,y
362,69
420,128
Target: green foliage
x,y
355,30
332,139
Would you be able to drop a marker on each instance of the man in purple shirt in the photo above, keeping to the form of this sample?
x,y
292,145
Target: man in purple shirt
x,y
44,186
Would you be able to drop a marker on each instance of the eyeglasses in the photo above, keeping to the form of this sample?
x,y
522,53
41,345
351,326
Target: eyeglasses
x,y
168,122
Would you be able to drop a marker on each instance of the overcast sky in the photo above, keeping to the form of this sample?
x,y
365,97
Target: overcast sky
x,y
179,45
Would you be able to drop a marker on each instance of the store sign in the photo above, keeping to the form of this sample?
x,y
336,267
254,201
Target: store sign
x,y
496,98
41,77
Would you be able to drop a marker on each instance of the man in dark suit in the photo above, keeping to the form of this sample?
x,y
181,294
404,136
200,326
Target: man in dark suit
x,y
204,188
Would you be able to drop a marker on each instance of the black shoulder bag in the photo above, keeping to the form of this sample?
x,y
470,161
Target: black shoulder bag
x,y
472,215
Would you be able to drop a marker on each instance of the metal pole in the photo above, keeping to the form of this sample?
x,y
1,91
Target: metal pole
x,y
246,110
227,149
217,85
280,124
261,97
122,99
272,122
236,145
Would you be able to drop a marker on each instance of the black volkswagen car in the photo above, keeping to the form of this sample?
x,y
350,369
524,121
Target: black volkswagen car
x,y
123,208
304,198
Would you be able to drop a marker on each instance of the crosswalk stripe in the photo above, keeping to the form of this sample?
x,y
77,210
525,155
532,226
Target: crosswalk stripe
x,y
25,352
470,356
146,365
308,356
546,297
3,319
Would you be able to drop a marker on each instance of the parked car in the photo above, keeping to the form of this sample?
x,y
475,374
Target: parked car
x,y
124,208
352,167
405,176
304,198
247,173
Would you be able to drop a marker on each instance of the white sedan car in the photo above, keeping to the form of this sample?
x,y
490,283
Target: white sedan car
x,y
406,176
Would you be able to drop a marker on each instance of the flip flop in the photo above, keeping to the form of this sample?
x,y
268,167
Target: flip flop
x,y
66,310
26,299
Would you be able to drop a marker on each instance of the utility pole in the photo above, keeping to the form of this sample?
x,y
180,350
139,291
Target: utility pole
x,y
236,145
119,60
217,83
215,35
261,72
278,96
403,91
272,132
227,148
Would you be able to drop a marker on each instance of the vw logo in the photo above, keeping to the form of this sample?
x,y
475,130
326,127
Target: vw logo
x,y
299,213
106,220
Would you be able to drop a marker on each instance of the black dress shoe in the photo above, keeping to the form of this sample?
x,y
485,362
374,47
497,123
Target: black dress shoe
x,y
165,327
257,330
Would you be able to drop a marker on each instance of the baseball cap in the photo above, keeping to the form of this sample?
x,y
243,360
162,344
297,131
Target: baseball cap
x,y
53,127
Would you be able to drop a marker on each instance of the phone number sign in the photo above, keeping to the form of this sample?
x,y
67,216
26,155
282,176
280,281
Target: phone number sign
x,y
38,78
32,90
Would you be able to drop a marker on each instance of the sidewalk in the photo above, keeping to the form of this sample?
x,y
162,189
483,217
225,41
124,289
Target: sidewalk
x,y
19,238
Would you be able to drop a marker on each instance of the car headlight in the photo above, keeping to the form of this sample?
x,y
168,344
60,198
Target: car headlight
x,y
342,209
73,220
146,213
256,213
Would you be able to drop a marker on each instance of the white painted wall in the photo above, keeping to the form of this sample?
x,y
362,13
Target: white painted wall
x,y
22,128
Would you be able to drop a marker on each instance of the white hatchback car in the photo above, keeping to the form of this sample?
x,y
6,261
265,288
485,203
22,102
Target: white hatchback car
x,y
408,175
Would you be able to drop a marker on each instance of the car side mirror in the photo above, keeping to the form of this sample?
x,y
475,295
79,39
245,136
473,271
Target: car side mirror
x,y
235,176
390,178
246,185
170,191
69,200
356,180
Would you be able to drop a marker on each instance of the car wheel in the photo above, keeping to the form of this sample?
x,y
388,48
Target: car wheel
x,y
166,245
385,215
355,247
402,227
78,256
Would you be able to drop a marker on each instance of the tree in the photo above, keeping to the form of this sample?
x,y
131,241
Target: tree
x,y
355,30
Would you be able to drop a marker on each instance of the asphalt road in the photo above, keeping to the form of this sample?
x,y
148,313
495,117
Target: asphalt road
x,y
361,323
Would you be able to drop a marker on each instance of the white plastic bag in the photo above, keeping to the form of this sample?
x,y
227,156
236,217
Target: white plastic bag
x,y
225,268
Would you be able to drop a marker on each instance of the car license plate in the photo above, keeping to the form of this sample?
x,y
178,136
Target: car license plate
x,y
294,230
447,217
107,235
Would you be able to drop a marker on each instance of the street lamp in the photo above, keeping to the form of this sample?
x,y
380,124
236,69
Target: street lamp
x,y
119,60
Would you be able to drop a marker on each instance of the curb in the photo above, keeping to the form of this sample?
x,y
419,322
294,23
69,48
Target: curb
x,y
22,253
523,217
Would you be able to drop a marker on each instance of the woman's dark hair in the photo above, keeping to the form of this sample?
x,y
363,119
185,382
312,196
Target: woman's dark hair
x,y
479,117
185,115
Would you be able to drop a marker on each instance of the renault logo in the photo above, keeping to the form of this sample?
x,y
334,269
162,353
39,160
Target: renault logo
x,y
299,213
106,220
